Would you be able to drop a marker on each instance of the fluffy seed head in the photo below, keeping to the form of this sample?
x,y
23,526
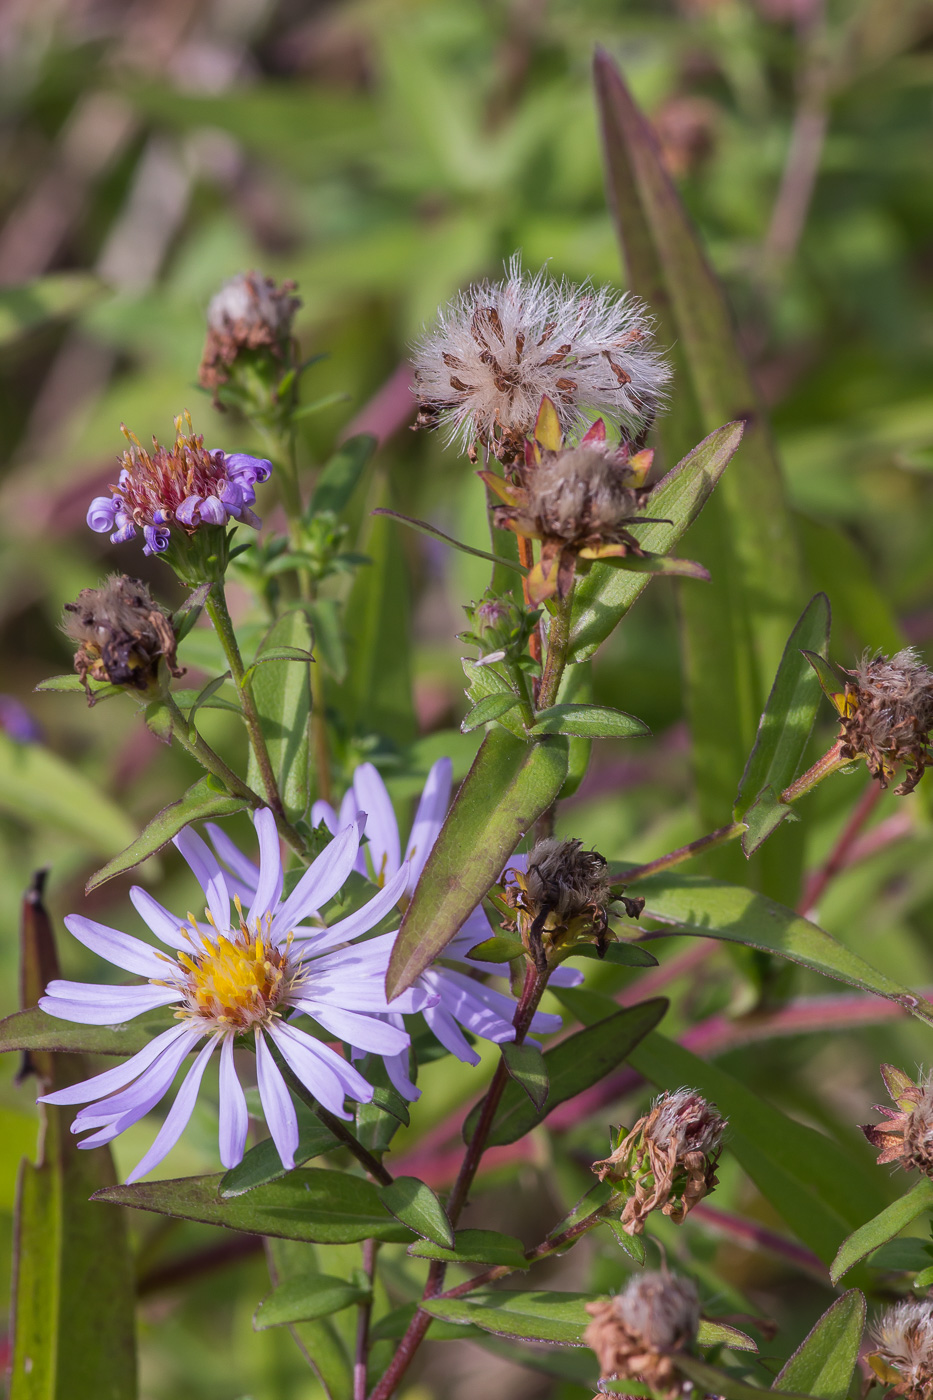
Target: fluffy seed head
x,y
500,347
248,313
888,715
903,1352
122,633
668,1160
637,1334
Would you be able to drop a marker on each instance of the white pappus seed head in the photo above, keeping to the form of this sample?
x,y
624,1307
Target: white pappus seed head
x,y
686,1120
903,1338
500,347
661,1310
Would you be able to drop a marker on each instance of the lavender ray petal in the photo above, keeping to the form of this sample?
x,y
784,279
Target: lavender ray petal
x,y
320,941
160,920
120,949
234,1118
244,871
99,1085
122,1005
362,1032
207,872
139,1097
385,847
176,1120
445,1028
269,887
307,1057
397,1070
276,1102
321,881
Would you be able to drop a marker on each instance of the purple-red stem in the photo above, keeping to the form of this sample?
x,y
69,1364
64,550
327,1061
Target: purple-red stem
x,y
364,1313
818,881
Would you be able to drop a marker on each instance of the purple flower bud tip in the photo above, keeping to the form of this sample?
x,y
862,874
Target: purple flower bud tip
x,y
16,721
101,513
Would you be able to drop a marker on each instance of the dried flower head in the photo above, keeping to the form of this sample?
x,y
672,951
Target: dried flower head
x,y
638,1334
562,898
579,501
887,714
248,313
668,1160
500,347
184,485
903,1352
122,634
907,1137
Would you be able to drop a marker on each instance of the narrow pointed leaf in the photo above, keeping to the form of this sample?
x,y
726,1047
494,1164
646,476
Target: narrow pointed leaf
x,y
831,677
425,529
572,1066
824,1363
341,475
720,1334
310,1203
882,1227
415,1205
541,1316
306,1298
714,909
712,1380
489,708
203,801
589,722
605,593
34,1030
281,688
262,1163
508,787
476,1247
526,1064
70,683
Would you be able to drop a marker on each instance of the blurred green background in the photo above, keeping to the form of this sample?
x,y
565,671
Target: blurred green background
x,y
383,154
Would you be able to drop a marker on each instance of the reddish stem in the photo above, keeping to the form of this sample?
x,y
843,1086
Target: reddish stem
x,y
818,881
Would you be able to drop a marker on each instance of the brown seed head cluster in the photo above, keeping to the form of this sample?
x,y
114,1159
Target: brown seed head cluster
x,y
122,632
668,1159
638,1334
888,715
903,1353
248,313
907,1136
562,898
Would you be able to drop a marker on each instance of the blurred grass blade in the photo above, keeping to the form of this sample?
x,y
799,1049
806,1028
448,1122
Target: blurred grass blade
x,y
306,1298
341,476
282,691
882,1227
319,1341
825,1361
786,724
38,786
510,784
73,1328
60,295
734,630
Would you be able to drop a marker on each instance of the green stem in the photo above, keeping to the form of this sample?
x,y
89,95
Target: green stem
x,y
216,606
558,644
552,1245
190,740
831,762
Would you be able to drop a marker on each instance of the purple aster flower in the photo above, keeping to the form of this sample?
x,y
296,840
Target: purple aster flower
x,y
186,485
459,999
234,975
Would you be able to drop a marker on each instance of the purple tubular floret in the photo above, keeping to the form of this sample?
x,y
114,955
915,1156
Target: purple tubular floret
x,y
102,512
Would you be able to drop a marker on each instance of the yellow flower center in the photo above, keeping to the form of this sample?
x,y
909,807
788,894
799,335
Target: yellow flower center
x,y
235,979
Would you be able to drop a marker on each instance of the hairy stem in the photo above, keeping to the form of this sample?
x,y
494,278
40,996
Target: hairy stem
x,y
831,762
692,848
558,642
552,1245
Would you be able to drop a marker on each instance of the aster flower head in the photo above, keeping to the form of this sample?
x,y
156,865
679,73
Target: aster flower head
x,y
173,492
249,312
562,895
668,1160
902,1355
122,634
638,1334
500,347
454,999
907,1136
886,712
236,975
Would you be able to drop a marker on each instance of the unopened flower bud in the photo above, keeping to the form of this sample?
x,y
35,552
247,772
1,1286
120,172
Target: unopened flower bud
x,y
499,625
668,1160
903,1352
907,1136
122,634
638,1334
887,714
562,898
248,313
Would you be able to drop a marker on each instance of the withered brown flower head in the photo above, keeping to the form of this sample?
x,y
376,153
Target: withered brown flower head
x,y
907,1136
903,1353
562,898
248,313
668,1160
122,632
638,1334
887,714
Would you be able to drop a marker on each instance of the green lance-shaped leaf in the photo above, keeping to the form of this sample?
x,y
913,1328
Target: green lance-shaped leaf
x,y
262,1163
589,722
73,1291
475,1247
526,1064
825,1361
33,1029
733,629
318,1340
714,1381
603,595
204,800
785,726
572,1066
720,1334
305,1299
713,909
52,298
282,691
341,475
539,1316
38,786
310,1203
797,1169
508,787
415,1205
882,1227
